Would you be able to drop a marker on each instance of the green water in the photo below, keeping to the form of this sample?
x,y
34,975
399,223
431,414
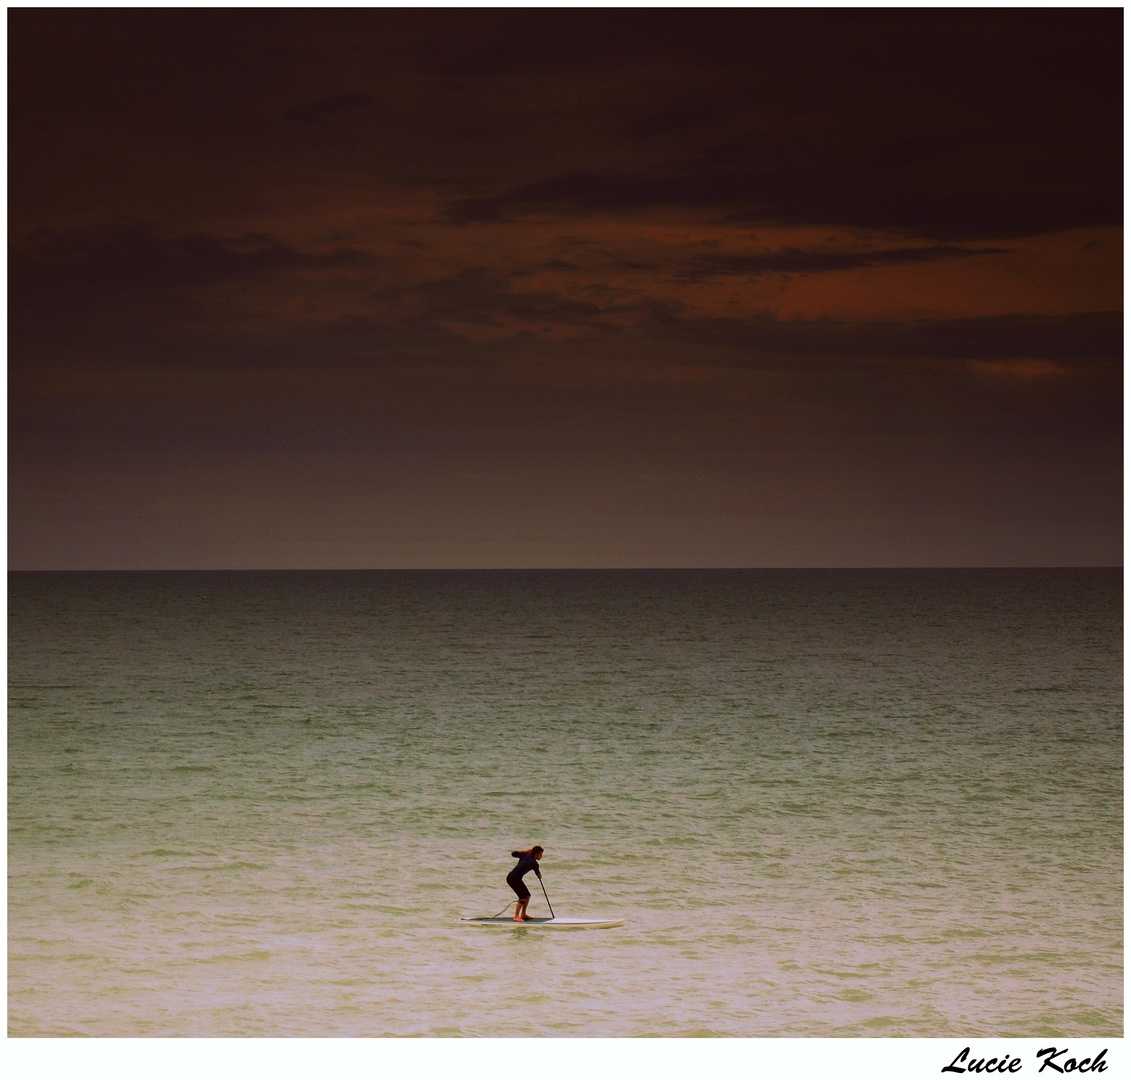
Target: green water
x,y
825,803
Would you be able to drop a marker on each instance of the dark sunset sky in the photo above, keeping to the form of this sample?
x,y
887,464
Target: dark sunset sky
x,y
570,288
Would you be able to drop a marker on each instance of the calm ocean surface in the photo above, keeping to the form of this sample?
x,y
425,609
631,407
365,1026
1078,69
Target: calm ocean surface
x,y
825,803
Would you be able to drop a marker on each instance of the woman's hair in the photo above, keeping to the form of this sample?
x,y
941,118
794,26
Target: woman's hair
x,y
537,849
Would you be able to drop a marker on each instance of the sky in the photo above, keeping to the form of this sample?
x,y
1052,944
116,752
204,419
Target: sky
x,y
377,288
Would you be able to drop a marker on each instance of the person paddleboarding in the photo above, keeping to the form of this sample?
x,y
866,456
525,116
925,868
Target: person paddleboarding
x,y
527,861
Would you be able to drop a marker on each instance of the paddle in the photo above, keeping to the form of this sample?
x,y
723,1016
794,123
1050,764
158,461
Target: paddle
x,y
548,904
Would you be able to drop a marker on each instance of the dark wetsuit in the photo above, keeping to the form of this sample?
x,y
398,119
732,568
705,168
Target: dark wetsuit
x,y
526,863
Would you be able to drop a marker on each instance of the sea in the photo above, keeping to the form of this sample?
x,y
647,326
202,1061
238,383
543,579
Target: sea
x,y
825,803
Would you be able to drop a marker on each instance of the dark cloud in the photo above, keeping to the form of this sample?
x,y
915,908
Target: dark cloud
x,y
944,124
138,304
475,296
863,198
874,199
815,261
170,352
584,193
325,107
1071,339
672,121
135,257
126,294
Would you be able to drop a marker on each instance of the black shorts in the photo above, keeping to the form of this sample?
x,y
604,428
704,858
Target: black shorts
x,y
516,883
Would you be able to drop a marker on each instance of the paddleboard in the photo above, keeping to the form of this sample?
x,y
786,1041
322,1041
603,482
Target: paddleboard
x,y
543,924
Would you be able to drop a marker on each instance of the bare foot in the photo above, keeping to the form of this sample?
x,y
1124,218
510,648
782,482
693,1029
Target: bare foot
x,y
519,918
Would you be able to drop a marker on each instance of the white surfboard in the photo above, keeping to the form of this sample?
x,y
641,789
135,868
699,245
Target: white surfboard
x,y
543,924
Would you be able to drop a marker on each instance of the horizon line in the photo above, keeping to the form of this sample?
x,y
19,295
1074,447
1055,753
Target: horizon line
x,y
540,569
